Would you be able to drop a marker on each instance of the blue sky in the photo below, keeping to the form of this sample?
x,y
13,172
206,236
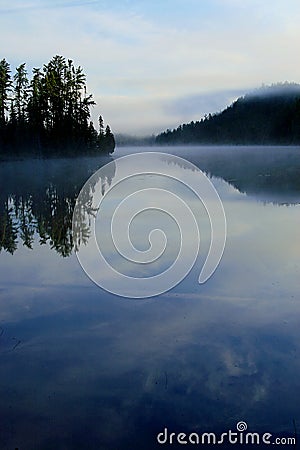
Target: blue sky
x,y
155,64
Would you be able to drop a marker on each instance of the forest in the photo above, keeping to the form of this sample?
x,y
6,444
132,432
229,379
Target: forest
x,y
49,114
269,115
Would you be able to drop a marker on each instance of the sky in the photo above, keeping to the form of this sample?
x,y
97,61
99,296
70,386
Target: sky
x,y
153,65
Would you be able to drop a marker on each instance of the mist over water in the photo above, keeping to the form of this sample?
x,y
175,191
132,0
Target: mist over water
x,y
82,368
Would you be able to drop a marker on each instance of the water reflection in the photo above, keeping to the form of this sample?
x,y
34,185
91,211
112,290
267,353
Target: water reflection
x,y
37,200
270,174
83,369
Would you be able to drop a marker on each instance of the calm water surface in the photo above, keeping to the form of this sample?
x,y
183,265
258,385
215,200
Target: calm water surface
x,y
84,369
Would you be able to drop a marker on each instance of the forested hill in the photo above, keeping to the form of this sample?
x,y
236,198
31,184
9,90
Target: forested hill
x,y
49,114
269,115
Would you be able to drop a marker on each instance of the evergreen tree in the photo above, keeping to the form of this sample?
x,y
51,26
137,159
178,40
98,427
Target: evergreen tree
x,y
50,113
101,125
21,93
36,109
109,140
101,135
5,88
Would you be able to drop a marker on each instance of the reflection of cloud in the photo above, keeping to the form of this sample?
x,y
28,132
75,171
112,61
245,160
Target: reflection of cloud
x,y
238,364
185,358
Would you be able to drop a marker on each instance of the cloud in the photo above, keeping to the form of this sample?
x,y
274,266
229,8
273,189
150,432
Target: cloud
x,y
155,66
193,107
8,8
159,113
136,115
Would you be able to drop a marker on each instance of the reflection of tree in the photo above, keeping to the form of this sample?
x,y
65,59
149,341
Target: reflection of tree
x,y
8,229
272,174
37,200
81,228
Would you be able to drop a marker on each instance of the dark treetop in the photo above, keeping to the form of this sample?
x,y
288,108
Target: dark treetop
x,y
49,114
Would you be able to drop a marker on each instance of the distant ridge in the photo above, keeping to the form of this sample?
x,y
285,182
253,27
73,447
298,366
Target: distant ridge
x,y
268,115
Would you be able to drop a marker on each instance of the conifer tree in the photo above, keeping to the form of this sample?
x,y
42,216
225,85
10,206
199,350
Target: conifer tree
x,y
5,88
109,140
49,113
21,84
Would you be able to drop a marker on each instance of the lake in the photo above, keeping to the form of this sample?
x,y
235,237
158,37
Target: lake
x,y
83,368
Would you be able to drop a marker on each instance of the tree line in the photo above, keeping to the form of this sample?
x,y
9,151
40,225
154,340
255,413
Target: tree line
x,y
269,115
49,114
